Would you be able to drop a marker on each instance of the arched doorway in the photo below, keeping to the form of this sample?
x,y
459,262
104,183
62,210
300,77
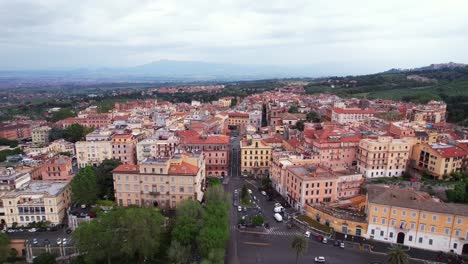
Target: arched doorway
x,y
401,238
465,249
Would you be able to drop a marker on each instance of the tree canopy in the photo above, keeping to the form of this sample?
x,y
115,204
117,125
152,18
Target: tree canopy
x,y
84,186
105,180
45,258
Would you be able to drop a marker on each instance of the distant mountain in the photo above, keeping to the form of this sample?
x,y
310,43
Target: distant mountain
x,y
432,67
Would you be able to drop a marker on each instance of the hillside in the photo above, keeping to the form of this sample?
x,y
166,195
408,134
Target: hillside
x,y
421,85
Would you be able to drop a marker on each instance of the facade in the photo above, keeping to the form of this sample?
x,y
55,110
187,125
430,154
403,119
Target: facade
x,y
40,136
57,168
274,114
97,120
92,153
37,201
161,182
255,118
124,148
15,131
415,219
350,115
215,148
432,112
161,144
255,156
238,119
384,156
438,159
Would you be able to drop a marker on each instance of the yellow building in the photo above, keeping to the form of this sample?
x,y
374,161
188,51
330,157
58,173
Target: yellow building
x,y
237,119
225,101
416,219
255,156
37,201
384,156
161,182
40,136
438,159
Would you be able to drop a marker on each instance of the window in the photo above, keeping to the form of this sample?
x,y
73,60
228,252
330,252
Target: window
x,y
385,210
422,227
424,216
374,219
392,222
433,229
372,232
420,240
434,218
393,212
413,214
410,238
447,230
459,221
384,221
449,220
403,213
391,234
455,245
381,233
430,242
457,232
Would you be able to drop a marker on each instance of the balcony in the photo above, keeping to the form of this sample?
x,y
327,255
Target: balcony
x,y
154,193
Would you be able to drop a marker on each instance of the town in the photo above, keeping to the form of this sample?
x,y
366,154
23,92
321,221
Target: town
x,y
254,179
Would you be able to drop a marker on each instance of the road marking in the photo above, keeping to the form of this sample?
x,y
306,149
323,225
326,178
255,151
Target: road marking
x,y
257,244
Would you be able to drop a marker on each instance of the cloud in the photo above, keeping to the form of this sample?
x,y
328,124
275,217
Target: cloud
x,y
128,32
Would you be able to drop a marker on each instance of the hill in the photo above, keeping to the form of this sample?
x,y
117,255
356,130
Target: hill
x,y
435,82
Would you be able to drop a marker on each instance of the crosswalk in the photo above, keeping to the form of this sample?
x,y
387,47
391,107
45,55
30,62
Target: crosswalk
x,y
272,231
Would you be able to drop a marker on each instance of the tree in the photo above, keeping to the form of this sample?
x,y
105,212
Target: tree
x,y
257,220
105,180
293,109
56,133
9,143
397,255
300,125
4,247
244,195
62,114
188,222
84,186
312,117
76,132
132,233
178,253
233,101
300,244
45,258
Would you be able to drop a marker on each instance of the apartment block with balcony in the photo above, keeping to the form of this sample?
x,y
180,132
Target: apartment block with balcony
x,y
124,148
416,219
95,149
384,156
438,159
350,115
161,144
37,201
432,112
161,182
40,136
255,156
57,168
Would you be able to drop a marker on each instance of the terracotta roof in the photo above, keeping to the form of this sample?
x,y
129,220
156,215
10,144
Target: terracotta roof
x,y
405,198
187,133
183,168
244,115
210,139
450,152
127,168
353,111
123,136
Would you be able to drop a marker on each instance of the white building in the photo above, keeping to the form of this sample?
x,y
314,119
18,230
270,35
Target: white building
x,y
350,115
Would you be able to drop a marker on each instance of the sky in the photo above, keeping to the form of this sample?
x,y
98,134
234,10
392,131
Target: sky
x,y
358,36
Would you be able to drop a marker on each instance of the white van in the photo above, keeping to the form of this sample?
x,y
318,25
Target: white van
x,y
278,209
278,217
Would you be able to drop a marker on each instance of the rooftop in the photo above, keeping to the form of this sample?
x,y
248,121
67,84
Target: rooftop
x,y
38,187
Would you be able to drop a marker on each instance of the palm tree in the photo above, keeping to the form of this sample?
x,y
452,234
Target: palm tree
x,y
300,244
397,255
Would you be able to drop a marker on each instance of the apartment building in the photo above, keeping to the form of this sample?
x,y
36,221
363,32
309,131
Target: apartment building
x,y
97,120
216,149
57,168
95,149
161,182
438,159
40,136
432,112
384,156
274,114
236,119
401,130
416,219
350,115
255,156
255,118
13,131
159,145
37,201
225,101
124,148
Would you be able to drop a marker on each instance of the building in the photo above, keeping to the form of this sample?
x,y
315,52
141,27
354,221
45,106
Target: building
x,y
438,159
432,112
236,119
274,114
216,149
161,144
384,156
255,118
57,168
290,120
37,201
124,148
225,101
161,182
97,120
95,149
416,219
401,130
350,115
40,136
255,156
15,131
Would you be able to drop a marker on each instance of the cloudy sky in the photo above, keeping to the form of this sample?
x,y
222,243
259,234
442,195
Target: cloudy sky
x,y
361,36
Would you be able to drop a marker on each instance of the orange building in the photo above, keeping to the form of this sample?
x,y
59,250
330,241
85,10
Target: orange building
x,y
124,148
57,168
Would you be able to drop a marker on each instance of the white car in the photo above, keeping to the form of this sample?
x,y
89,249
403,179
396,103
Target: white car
x,y
239,208
307,234
320,259
249,191
35,241
32,230
263,193
59,241
64,241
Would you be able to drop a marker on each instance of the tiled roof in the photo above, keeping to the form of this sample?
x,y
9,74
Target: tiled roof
x,y
127,168
405,198
183,168
210,139
244,115
352,111
450,152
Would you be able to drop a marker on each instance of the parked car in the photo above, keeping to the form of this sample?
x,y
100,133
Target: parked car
x,y
307,234
319,238
324,240
342,244
239,208
64,241
32,230
278,209
59,241
278,217
249,191
320,259
11,230
35,241
245,209
263,193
